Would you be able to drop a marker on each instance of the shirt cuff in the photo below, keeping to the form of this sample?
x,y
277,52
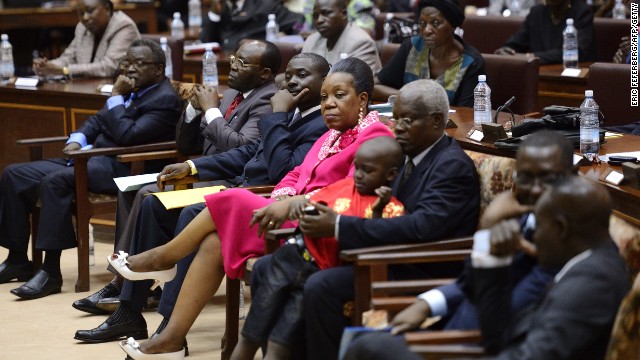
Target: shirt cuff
x,y
190,113
213,17
437,302
212,114
114,101
192,166
79,138
480,255
337,230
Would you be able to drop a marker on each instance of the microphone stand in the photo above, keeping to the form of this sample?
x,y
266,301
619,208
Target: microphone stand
x,y
505,108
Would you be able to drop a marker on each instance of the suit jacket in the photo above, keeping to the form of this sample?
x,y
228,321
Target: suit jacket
x,y
572,322
353,41
268,159
441,199
249,23
220,135
633,128
113,46
151,117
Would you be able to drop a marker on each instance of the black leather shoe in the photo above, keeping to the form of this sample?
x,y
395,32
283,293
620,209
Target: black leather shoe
x,y
40,285
135,326
110,304
22,272
89,303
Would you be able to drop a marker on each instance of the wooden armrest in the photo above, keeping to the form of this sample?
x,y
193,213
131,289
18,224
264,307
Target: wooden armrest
x,y
42,141
399,287
458,243
443,337
412,257
109,151
447,351
261,190
153,155
274,238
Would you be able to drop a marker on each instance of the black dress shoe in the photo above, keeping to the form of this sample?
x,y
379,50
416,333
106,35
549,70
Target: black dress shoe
x,y
22,272
89,304
110,304
40,285
134,326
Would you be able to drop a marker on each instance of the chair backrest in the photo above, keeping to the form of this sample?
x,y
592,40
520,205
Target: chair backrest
x,y
607,35
387,51
287,51
496,175
177,52
488,33
509,76
610,84
625,335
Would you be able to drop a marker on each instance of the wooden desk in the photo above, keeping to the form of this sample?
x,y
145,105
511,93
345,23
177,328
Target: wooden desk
x,y
192,67
626,200
30,18
53,109
554,89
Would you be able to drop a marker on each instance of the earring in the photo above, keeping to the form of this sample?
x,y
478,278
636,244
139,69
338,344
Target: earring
x,y
361,115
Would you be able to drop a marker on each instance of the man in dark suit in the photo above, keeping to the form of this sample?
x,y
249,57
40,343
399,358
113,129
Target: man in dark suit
x,y
440,190
210,124
143,108
574,319
230,21
287,135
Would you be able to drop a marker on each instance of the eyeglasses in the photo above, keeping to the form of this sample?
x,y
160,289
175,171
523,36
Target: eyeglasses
x,y
239,63
406,122
136,63
525,179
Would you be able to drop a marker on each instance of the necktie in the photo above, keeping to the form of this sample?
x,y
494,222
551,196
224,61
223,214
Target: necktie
x,y
297,116
234,104
408,168
132,97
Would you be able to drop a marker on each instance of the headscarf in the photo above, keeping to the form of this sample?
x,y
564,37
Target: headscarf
x,y
450,9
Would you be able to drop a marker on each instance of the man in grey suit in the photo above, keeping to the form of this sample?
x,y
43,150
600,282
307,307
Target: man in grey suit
x,y
209,123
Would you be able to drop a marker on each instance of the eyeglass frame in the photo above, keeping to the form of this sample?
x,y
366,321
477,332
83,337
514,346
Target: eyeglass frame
x,y
239,62
406,122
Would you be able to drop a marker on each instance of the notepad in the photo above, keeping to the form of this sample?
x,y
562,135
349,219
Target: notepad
x,y
135,182
180,198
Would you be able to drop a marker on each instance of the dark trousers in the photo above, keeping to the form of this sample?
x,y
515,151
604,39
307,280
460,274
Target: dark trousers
x,y
276,298
53,182
379,346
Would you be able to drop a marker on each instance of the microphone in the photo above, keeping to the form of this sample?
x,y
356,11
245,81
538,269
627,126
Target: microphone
x,y
502,108
509,102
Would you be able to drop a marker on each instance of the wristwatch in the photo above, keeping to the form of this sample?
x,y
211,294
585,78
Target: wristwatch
x,y
65,71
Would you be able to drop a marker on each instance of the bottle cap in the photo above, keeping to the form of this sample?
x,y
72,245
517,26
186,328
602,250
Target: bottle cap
x,y
343,56
482,77
208,47
163,40
176,15
272,16
4,37
389,16
588,93
569,21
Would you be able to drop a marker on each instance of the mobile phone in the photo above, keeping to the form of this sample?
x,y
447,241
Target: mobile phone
x,y
310,210
618,160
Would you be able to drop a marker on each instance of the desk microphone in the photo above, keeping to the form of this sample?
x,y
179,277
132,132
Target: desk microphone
x,y
503,108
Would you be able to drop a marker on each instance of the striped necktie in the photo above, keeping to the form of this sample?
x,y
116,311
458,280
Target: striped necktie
x,y
408,168
234,104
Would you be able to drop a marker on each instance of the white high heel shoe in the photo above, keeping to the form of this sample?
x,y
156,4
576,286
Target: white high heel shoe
x,y
132,348
119,262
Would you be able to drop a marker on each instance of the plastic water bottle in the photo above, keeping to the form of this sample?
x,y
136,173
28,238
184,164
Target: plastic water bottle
x,y
515,7
209,68
619,10
168,69
177,26
570,46
387,28
589,126
7,68
481,103
195,16
272,29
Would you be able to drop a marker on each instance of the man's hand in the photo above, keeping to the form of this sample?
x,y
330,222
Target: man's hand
x,y
384,196
273,215
207,98
322,225
123,86
411,317
283,101
506,239
504,206
173,171
42,66
505,50
620,56
71,147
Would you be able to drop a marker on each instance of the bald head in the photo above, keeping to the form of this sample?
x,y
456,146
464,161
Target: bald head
x,y
386,149
572,216
377,163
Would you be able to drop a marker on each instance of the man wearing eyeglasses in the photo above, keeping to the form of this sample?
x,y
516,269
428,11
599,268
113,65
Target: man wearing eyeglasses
x,y
543,158
143,108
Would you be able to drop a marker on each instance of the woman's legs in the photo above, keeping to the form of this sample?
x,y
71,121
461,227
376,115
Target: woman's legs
x,y
166,256
201,283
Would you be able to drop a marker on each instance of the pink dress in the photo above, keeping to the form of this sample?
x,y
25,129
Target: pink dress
x,y
329,160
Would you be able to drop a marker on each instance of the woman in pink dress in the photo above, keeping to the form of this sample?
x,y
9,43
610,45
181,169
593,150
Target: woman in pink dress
x,y
240,217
